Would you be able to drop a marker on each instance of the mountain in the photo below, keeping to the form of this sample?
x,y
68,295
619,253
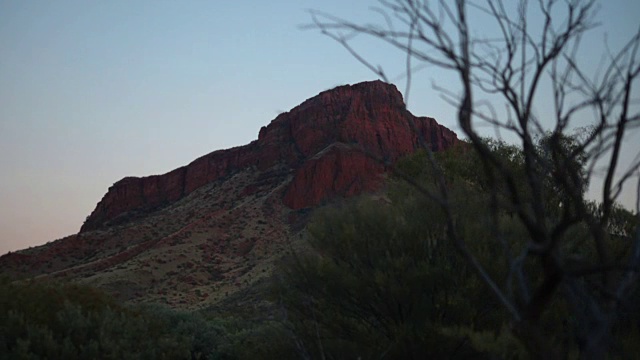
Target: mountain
x,y
200,233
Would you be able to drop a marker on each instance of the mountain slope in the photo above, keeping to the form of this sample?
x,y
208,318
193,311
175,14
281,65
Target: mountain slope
x,y
203,231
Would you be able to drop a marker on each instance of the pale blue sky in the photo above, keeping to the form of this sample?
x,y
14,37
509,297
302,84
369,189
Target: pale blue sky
x,y
93,91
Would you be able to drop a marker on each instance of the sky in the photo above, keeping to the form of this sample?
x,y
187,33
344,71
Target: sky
x,y
93,91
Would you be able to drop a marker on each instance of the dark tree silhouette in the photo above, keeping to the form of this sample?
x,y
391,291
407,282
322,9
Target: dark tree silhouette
x,y
527,60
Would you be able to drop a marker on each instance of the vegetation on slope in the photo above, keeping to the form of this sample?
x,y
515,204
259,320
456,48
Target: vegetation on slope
x,y
65,321
379,279
385,280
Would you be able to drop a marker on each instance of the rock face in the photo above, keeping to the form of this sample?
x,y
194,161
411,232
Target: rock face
x,y
334,144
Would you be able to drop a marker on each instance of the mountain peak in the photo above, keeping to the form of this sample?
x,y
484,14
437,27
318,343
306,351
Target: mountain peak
x,y
376,91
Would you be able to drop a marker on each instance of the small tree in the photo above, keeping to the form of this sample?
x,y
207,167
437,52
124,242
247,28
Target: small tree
x,y
518,66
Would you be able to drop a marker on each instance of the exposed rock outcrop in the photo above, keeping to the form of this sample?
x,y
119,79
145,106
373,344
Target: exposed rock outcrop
x,y
335,144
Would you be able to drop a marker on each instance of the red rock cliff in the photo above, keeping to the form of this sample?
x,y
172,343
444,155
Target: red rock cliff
x,y
329,142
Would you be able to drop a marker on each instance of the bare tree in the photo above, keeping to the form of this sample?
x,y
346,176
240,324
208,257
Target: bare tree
x,y
522,66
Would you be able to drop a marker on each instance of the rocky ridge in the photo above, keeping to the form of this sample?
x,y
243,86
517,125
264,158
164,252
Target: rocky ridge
x,y
336,144
205,231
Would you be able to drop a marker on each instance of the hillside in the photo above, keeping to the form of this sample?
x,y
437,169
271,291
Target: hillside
x,y
200,233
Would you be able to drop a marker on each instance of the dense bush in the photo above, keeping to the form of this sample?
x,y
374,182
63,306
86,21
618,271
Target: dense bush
x,y
383,280
58,321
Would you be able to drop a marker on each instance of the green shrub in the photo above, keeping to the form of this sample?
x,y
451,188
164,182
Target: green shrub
x,y
59,321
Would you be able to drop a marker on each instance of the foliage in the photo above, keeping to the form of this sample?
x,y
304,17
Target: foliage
x,y
378,285
384,280
39,321
255,338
